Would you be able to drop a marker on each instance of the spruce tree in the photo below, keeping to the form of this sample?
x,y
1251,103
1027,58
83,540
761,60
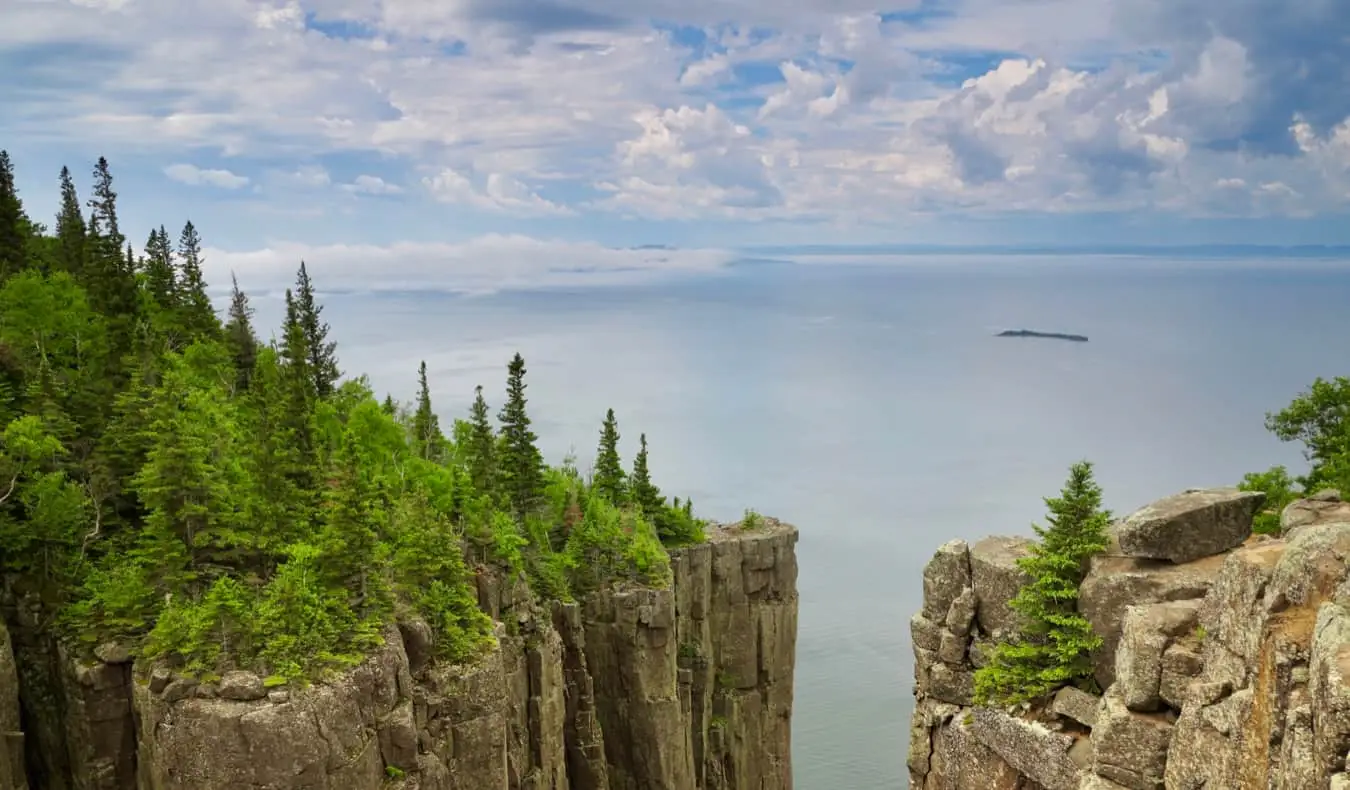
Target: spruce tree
x,y
13,223
481,451
427,436
1055,645
107,276
199,319
608,479
71,231
645,493
520,464
299,388
160,279
322,352
240,337
350,532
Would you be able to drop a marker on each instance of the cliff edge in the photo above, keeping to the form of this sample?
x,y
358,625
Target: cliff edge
x,y
1225,664
629,689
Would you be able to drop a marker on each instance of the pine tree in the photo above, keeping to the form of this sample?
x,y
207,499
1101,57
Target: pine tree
x,y
322,352
350,532
1056,642
198,316
481,451
299,391
427,436
13,222
645,493
520,464
277,509
71,231
107,276
608,479
240,337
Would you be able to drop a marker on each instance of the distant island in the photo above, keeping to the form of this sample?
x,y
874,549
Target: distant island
x,y
1051,335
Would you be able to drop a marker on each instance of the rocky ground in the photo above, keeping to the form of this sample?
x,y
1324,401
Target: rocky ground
x,y
1226,663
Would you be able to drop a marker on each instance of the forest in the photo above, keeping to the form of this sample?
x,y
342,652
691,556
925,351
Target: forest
x,y
171,484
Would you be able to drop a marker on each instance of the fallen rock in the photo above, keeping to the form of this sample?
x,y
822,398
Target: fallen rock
x,y
243,686
1042,755
944,577
1321,507
1113,584
1130,748
996,580
1190,525
1077,705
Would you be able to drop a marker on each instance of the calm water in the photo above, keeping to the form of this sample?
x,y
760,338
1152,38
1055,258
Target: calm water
x,y
871,406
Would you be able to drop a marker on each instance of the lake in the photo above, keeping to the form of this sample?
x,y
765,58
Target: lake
x,y
869,403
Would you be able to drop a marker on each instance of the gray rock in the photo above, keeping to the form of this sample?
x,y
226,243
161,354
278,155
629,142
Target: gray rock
x,y
1190,525
951,684
997,580
243,686
962,613
159,679
1091,781
1180,667
1115,583
1315,561
279,697
1146,634
1130,748
113,653
1040,754
1329,686
1340,782
944,577
1322,507
1076,704
924,633
952,649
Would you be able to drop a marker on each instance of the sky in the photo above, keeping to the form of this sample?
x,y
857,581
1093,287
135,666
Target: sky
x,y
412,143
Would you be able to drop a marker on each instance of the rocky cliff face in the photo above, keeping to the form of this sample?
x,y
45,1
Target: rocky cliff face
x,y
630,689
1226,663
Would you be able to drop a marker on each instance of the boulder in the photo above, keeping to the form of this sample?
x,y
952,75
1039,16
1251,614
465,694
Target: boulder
x,y
958,760
996,580
1042,755
1233,615
1181,666
924,633
944,577
243,686
1190,525
1319,508
1329,687
952,648
1147,632
1315,561
961,615
950,684
1130,748
1114,583
1077,705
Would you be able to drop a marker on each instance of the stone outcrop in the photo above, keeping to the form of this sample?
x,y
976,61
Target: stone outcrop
x,y
1225,664
629,689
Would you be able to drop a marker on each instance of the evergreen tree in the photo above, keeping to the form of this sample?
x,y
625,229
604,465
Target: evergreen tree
x,y
351,533
13,222
71,231
427,435
322,352
277,507
160,279
520,464
198,316
1056,642
645,493
481,449
299,391
240,337
608,479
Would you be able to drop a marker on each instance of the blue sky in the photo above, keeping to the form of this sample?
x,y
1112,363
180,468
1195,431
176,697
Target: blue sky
x,y
387,138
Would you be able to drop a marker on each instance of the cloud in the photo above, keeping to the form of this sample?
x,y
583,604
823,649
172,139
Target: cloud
x,y
498,193
372,185
196,176
483,265
588,111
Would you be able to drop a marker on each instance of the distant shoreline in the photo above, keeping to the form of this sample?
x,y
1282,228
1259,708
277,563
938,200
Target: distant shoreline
x,y
1050,335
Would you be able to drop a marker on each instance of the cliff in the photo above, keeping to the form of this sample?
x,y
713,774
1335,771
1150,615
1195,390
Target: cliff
x,y
1226,663
636,688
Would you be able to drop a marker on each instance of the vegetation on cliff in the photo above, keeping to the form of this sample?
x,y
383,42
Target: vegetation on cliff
x,y
172,482
1056,641
1319,419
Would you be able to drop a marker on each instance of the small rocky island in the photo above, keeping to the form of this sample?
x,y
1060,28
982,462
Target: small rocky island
x,y
1050,335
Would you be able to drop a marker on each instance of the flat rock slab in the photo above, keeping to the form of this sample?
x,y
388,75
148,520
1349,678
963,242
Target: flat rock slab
x,y
1190,525
1040,754
1320,508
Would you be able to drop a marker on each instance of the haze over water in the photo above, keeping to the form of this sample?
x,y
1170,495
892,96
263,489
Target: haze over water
x,y
872,406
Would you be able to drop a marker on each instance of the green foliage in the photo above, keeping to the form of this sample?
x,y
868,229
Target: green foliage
x,y
1280,489
215,502
608,480
1056,641
1319,418
752,520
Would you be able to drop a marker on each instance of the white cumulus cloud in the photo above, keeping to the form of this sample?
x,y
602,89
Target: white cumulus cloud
x,y
196,176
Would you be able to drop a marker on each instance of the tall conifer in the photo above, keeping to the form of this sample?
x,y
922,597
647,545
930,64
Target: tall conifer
x,y
71,231
426,427
13,223
608,479
322,352
240,337
520,465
